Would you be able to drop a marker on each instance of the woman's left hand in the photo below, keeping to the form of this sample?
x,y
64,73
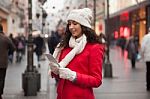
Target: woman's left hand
x,y
66,73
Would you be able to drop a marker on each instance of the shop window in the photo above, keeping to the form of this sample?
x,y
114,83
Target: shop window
x,y
125,32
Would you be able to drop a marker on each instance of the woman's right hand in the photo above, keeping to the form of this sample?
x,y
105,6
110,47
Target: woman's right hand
x,y
54,68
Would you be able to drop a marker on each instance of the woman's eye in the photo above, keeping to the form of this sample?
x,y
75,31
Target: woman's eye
x,y
74,23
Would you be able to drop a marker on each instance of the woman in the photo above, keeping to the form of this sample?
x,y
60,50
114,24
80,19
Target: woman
x,y
80,56
132,49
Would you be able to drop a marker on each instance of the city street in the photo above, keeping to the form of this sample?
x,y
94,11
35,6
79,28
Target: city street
x,y
13,85
127,83
121,23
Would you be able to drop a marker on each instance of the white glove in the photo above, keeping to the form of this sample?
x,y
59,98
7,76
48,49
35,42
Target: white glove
x,y
66,73
54,68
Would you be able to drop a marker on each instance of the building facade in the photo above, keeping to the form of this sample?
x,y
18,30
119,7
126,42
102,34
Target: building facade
x,y
12,16
130,18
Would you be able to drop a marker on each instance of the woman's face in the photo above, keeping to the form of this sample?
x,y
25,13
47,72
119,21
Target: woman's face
x,y
75,28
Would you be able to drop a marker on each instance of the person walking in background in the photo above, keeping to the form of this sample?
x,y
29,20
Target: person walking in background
x,y
39,44
53,40
145,53
20,47
11,52
132,49
122,43
80,56
23,39
5,45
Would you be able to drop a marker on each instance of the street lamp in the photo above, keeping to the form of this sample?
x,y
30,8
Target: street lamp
x,y
30,45
107,64
31,77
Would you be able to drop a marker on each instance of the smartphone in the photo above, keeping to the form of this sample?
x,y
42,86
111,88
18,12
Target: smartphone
x,y
52,59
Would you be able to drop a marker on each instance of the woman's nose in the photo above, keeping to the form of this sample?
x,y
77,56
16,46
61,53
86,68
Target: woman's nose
x,y
72,26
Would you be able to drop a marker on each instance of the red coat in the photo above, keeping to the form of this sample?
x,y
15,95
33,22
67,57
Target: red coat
x,y
88,66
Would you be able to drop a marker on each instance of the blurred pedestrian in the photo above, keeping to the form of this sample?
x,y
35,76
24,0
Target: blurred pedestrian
x,y
53,40
20,48
132,49
145,53
11,51
61,32
5,45
23,39
80,56
122,44
39,44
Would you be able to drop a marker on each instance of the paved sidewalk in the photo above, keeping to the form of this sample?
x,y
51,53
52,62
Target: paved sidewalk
x,y
127,83
13,85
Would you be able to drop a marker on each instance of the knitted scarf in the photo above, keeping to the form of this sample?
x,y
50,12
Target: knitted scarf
x,y
78,46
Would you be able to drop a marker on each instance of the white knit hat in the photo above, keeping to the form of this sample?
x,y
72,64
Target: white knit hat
x,y
82,16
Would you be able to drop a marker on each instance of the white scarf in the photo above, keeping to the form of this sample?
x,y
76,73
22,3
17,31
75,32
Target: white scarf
x,y
78,46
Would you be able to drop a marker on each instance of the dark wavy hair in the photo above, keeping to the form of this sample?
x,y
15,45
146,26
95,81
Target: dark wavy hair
x,y
90,34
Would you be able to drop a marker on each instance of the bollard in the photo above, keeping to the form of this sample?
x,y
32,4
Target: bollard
x,y
108,70
29,81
